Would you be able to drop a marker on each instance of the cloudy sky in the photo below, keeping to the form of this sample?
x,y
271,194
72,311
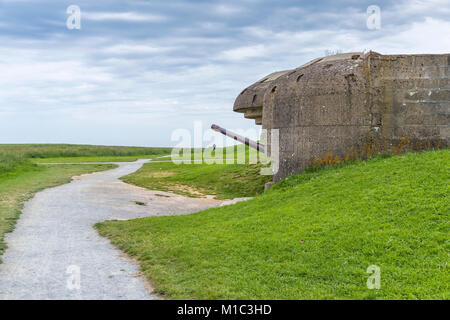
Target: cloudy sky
x,y
138,70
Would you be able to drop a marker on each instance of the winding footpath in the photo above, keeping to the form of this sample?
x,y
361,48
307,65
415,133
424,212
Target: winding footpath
x,y
54,252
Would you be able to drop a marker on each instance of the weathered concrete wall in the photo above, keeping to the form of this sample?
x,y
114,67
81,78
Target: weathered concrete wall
x,y
352,105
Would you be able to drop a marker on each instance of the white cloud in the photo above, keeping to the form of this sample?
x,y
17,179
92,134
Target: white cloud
x,y
428,36
243,53
151,84
136,48
123,16
425,8
227,9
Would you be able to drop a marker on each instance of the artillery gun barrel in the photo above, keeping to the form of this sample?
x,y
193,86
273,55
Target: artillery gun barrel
x,y
253,144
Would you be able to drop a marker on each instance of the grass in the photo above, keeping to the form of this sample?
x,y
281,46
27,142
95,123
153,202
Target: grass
x,y
10,163
48,153
54,153
200,179
312,236
239,152
20,180
91,159
67,150
20,177
220,153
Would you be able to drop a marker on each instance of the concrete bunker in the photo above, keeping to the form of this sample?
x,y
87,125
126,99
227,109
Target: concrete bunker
x,y
352,105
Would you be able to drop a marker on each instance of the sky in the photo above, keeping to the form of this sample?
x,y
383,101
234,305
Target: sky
x,y
137,71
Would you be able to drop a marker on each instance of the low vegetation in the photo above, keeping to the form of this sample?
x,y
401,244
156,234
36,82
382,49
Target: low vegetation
x,y
10,163
91,159
239,153
203,178
312,236
200,179
68,150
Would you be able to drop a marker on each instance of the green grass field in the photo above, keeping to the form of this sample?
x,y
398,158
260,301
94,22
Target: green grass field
x,y
69,151
227,180
20,180
239,153
197,180
85,153
312,236
91,159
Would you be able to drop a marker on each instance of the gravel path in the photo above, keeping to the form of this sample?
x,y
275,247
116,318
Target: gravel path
x,y
54,253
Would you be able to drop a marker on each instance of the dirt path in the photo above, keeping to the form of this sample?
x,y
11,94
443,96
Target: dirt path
x,y
54,253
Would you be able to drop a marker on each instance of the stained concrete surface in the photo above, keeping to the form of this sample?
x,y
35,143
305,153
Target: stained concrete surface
x,y
351,105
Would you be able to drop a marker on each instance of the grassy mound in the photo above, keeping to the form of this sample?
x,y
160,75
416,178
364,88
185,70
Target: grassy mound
x,y
233,176
197,180
311,237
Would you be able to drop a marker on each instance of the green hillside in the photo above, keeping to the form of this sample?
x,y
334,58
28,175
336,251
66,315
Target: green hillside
x,y
312,236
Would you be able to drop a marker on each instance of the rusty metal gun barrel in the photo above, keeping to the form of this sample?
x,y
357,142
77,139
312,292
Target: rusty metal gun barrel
x,y
253,144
